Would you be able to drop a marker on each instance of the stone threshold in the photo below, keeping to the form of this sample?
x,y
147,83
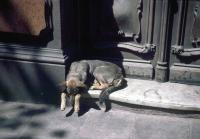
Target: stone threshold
x,y
167,95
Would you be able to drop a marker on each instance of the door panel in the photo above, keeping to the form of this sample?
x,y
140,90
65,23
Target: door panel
x,y
185,54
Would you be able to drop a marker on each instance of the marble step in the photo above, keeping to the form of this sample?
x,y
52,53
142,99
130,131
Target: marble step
x,y
155,94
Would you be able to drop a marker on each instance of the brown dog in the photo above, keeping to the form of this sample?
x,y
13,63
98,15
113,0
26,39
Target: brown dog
x,y
96,74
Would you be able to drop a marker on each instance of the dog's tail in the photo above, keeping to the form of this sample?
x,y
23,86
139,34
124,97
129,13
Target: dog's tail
x,y
117,84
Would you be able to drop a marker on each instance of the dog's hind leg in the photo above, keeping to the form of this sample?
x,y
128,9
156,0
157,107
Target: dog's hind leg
x,y
77,103
63,101
99,86
117,84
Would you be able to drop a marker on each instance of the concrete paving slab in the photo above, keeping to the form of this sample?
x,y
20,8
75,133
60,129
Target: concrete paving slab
x,y
172,127
12,125
194,129
112,125
48,122
162,95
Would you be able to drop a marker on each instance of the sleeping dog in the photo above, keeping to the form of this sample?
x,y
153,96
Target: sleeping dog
x,y
93,74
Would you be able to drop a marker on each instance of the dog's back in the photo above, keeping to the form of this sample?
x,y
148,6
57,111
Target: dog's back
x,y
108,74
111,75
78,70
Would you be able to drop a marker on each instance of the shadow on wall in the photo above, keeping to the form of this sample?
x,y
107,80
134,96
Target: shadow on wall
x,y
26,21
30,81
85,23
82,28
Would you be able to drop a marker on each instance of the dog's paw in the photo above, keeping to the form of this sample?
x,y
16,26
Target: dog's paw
x,y
95,87
92,88
76,109
102,106
62,108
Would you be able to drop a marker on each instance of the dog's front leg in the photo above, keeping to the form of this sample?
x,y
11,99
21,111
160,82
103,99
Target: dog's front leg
x,y
77,103
63,101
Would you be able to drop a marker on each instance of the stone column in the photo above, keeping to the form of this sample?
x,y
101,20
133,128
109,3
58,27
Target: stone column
x,y
162,68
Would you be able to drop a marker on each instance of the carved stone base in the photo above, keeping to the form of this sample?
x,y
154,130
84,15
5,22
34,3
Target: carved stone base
x,y
185,73
139,69
161,73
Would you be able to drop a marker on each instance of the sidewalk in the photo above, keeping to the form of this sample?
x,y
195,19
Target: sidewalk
x,y
161,95
34,121
174,113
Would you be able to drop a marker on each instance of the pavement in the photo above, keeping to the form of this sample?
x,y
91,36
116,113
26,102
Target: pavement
x,y
142,110
38,121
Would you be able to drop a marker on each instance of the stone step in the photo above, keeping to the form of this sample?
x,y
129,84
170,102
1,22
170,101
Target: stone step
x,y
155,94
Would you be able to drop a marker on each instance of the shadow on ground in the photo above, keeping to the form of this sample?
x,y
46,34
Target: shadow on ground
x,y
22,121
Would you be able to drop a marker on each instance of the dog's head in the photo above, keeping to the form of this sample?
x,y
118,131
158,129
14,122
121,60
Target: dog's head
x,y
74,86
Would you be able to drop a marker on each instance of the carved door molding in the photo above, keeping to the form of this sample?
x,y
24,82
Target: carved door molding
x,y
178,49
132,40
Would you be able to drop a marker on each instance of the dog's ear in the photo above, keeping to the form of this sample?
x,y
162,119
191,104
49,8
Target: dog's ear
x,y
62,86
73,84
62,83
66,83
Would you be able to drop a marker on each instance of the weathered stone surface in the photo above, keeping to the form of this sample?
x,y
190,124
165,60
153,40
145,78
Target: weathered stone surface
x,y
162,95
34,121
22,16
